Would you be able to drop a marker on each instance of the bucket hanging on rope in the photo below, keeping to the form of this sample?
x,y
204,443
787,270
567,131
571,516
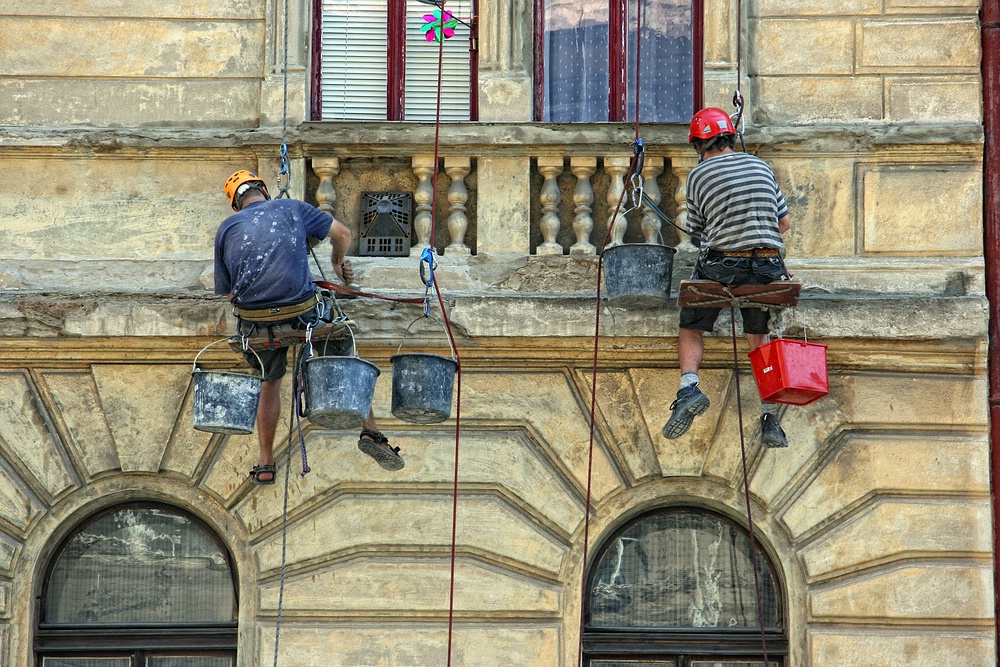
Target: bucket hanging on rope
x,y
790,371
338,390
225,402
422,384
638,275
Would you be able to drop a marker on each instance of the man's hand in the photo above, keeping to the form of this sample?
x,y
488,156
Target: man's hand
x,y
344,271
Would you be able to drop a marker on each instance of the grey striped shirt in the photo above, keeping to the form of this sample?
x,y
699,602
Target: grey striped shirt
x,y
734,203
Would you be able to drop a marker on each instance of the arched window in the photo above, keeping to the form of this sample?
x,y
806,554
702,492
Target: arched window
x,y
138,585
675,588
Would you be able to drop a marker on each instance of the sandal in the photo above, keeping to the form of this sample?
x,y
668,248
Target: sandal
x,y
376,445
264,469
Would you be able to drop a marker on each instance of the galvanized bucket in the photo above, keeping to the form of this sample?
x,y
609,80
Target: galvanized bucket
x,y
422,384
225,402
638,275
339,390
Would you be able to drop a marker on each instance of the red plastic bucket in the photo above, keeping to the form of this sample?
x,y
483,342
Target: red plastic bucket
x,y
790,371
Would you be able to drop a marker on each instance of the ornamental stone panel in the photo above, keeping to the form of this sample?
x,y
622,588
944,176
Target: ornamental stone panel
x,y
920,209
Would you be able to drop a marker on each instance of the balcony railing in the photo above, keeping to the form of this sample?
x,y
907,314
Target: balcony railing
x,y
569,192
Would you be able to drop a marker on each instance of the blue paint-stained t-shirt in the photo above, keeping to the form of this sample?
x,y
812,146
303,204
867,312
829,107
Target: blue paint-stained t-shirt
x,y
261,253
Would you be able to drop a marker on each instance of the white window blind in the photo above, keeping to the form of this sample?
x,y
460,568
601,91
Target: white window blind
x,y
354,72
422,65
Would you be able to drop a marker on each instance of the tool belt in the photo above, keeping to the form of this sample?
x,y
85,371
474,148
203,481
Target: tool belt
x,y
277,313
753,252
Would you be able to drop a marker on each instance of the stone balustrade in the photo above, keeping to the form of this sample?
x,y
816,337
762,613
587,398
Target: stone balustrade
x,y
565,202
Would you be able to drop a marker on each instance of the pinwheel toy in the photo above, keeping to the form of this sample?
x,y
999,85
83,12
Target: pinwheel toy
x,y
439,27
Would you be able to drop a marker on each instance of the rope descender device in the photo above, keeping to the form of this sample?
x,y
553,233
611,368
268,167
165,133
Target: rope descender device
x,y
427,276
284,175
635,180
739,122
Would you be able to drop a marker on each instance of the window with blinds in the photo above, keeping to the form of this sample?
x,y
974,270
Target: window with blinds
x,y
376,63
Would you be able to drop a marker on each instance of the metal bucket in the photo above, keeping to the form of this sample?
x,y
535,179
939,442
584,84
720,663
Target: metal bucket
x,y
638,275
339,391
422,386
225,402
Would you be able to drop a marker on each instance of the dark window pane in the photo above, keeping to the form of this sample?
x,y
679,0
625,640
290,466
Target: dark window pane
x,y
632,663
85,662
680,569
729,663
141,565
188,661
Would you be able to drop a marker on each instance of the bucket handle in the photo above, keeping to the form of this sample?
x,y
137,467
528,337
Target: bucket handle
x,y
309,344
222,340
406,333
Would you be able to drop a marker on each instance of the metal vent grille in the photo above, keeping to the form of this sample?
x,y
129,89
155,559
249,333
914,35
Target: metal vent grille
x,y
386,224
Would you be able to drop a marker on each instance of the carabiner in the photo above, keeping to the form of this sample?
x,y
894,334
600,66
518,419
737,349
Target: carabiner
x,y
283,172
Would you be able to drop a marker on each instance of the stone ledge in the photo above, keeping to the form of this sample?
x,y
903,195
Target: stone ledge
x,y
507,139
504,274
895,317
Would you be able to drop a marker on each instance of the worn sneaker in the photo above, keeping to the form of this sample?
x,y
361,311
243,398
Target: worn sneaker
x,y
771,434
689,404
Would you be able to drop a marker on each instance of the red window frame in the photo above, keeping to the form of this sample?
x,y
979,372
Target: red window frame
x,y
617,99
395,61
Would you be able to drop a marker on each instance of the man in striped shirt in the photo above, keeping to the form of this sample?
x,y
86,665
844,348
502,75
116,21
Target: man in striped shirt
x,y
736,215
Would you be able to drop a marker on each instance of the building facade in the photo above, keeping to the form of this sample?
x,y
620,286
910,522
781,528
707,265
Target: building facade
x,y
871,532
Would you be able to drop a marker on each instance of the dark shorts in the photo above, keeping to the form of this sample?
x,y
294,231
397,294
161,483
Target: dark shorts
x,y
275,360
734,271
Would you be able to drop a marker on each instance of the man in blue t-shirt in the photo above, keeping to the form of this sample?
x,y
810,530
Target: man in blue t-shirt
x,y
262,263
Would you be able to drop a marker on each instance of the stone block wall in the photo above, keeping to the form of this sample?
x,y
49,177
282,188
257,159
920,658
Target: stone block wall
x,y
913,61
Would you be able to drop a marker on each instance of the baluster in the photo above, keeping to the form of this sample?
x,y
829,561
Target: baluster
x,y
457,169
583,196
616,167
326,168
651,224
550,196
682,166
423,166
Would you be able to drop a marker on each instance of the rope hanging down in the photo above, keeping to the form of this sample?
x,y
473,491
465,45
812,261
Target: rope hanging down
x,y
634,176
429,279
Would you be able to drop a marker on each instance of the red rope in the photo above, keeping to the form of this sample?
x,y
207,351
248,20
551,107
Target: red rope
x,y
593,401
451,338
746,490
344,289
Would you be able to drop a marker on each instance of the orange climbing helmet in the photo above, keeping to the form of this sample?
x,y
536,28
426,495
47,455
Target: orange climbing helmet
x,y
710,122
234,183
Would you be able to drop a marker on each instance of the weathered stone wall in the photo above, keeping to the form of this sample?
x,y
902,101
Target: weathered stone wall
x,y
866,61
877,516
124,119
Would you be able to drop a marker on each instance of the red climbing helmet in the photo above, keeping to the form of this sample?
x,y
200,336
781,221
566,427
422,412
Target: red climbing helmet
x,y
710,122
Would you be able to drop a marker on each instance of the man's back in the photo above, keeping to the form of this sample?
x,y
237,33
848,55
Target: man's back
x,y
261,253
734,203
